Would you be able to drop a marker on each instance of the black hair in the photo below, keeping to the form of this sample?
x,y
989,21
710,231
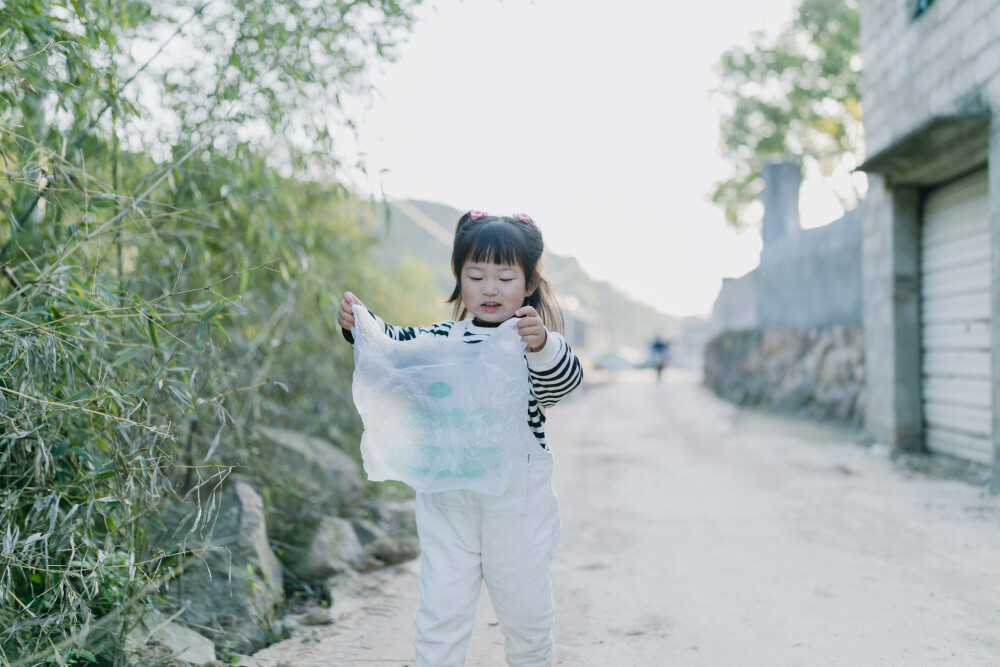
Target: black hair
x,y
504,240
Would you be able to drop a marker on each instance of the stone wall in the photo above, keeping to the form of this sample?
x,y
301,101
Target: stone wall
x,y
813,373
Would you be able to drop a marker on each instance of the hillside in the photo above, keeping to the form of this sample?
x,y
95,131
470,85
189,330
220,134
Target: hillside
x,y
608,315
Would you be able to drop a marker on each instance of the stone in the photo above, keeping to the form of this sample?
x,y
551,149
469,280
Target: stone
x,y
367,531
399,517
306,478
322,548
817,373
317,616
193,648
233,588
393,550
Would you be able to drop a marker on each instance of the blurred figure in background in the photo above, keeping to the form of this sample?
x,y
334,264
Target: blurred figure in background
x,y
659,355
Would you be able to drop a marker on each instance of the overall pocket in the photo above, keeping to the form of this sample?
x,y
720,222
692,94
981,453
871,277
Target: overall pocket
x,y
512,502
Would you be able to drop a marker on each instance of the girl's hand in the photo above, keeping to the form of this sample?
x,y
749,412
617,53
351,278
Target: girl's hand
x,y
530,327
345,316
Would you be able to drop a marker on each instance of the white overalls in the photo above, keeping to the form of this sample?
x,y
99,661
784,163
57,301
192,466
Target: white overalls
x,y
507,541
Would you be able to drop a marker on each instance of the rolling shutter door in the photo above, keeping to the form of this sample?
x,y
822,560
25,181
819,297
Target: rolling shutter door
x,y
955,319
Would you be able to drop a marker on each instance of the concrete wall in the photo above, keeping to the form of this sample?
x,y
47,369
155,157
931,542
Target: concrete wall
x,y
806,279
780,197
812,278
735,309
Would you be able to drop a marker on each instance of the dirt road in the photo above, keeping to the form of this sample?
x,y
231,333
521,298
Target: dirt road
x,y
695,534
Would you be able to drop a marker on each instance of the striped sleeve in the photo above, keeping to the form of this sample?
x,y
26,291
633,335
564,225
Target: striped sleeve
x,y
554,371
409,333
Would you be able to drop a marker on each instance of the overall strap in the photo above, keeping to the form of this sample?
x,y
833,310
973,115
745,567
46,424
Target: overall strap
x,y
458,329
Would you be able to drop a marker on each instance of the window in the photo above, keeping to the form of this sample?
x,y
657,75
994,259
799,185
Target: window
x,y
922,6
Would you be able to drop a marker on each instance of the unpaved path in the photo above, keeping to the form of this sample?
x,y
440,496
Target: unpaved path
x,y
695,534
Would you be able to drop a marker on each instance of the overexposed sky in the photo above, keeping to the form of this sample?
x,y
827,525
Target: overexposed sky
x,y
594,117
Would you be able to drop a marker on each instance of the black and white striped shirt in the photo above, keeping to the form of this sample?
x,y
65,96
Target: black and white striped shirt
x,y
554,370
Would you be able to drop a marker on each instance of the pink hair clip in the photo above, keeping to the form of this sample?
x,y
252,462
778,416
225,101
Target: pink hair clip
x,y
476,215
523,217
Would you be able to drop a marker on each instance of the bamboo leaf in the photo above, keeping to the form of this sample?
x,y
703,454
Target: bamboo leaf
x,y
215,443
154,335
126,356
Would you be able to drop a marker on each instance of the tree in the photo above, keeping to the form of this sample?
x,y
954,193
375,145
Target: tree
x,y
151,155
796,95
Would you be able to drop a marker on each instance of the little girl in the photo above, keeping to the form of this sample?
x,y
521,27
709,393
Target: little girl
x,y
507,541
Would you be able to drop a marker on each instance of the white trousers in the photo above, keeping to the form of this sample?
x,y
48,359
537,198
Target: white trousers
x,y
507,541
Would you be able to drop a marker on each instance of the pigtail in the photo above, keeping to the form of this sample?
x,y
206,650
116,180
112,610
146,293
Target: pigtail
x,y
543,299
458,310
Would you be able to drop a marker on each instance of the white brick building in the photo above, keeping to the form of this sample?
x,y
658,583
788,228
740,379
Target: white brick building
x,y
931,234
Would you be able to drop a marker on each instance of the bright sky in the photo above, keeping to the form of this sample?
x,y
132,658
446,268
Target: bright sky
x,y
593,117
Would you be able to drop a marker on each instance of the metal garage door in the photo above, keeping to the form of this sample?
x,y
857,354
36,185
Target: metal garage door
x,y
955,319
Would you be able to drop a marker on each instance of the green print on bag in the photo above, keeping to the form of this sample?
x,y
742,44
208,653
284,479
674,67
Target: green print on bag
x,y
439,390
475,462
446,419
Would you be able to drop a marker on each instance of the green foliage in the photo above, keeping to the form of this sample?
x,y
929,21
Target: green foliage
x,y
794,95
167,274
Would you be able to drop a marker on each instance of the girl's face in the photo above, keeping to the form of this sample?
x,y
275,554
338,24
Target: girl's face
x,y
493,292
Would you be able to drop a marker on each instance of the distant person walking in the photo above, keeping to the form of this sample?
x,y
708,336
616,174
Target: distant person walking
x,y
659,352
466,537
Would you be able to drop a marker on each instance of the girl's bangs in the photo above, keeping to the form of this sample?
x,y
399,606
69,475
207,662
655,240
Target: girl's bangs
x,y
497,243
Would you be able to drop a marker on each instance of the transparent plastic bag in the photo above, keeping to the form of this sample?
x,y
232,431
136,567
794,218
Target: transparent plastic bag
x,y
440,414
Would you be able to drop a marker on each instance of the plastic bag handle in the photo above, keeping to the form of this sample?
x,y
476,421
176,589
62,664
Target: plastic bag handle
x,y
508,330
365,325
366,328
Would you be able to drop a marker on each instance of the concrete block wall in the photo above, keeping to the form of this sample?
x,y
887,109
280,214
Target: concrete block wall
x,y
944,62
893,413
879,415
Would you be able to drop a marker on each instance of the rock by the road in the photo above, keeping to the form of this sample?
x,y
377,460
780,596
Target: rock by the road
x,y
323,547
233,590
